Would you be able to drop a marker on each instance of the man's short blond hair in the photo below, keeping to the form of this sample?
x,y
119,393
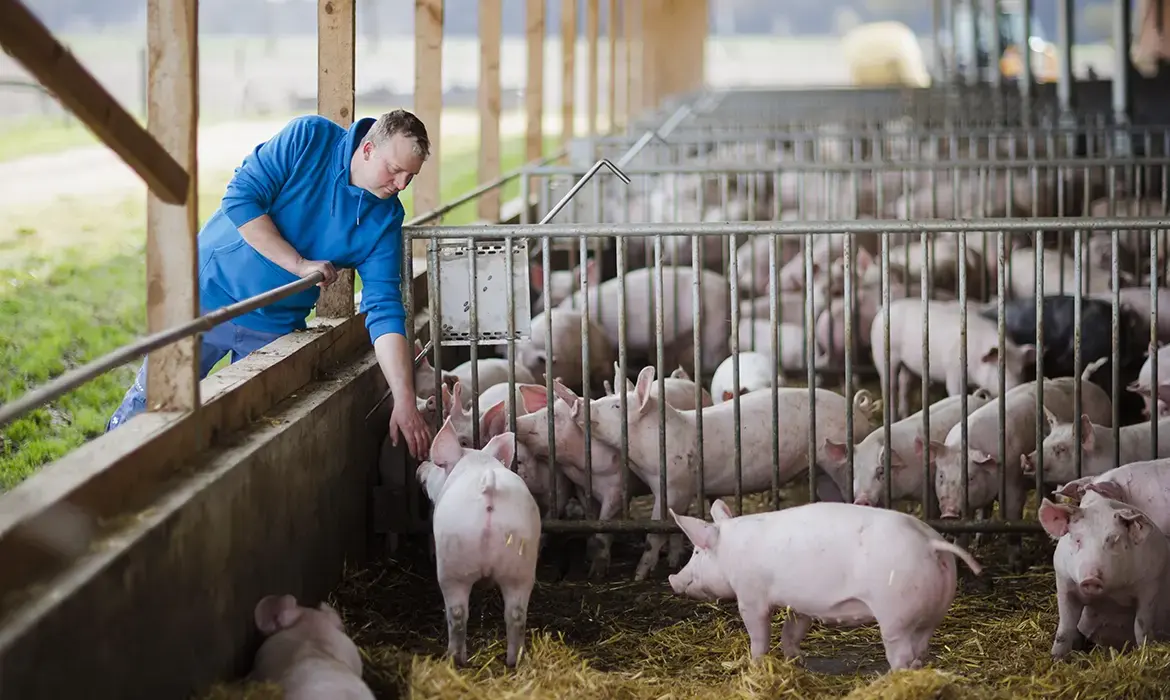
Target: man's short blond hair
x,y
400,121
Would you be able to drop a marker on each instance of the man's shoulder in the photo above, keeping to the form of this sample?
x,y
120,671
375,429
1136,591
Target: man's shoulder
x,y
315,127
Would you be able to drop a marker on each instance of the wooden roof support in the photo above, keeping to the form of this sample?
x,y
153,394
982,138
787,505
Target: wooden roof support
x,y
336,29
534,91
611,22
592,20
568,76
32,44
172,295
490,28
428,103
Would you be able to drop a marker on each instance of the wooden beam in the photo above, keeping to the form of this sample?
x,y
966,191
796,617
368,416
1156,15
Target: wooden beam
x,y
568,77
428,103
27,40
336,31
632,30
172,295
592,9
611,107
490,29
534,93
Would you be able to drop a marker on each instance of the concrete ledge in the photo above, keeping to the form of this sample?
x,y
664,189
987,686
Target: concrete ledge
x,y
161,606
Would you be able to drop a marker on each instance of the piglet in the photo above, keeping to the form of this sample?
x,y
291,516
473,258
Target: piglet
x,y
1060,449
756,371
842,564
491,371
486,525
1144,387
1112,568
307,652
1144,485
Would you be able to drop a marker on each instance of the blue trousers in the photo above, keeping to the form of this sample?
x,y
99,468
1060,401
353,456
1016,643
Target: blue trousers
x,y
219,341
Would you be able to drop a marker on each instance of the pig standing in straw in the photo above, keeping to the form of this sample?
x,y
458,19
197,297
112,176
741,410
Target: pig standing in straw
x,y
307,652
840,563
1112,569
486,525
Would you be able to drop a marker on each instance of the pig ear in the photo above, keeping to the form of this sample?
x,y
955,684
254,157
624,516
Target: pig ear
x,y
990,356
701,534
450,379
680,373
895,458
1053,421
645,379
1055,518
1028,354
493,421
983,459
445,448
534,397
607,386
1073,489
457,399
275,613
563,392
720,511
835,451
1088,438
727,395
1136,523
863,260
502,447
446,399
1108,489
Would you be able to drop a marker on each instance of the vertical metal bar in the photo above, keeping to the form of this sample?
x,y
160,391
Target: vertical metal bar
x,y
697,302
434,294
585,357
732,276
1064,37
473,346
546,269
620,381
659,329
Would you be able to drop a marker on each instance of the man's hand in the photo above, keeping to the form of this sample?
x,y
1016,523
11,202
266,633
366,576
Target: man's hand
x,y
308,267
406,419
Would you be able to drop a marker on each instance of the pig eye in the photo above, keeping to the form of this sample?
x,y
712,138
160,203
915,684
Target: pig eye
x,y
880,471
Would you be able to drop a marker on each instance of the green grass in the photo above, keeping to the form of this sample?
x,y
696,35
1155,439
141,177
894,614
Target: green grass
x,y
63,308
42,136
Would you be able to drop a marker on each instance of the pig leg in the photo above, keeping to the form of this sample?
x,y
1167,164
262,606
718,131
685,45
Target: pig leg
x,y
455,597
1070,610
515,594
1144,615
599,558
792,633
654,545
902,381
757,618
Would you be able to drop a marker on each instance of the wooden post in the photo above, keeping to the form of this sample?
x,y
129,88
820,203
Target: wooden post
x,y
632,30
534,93
428,103
336,27
592,8
611,101
488,95
172,294
568,78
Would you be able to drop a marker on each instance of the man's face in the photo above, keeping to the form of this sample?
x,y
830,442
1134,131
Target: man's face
x,y
389,168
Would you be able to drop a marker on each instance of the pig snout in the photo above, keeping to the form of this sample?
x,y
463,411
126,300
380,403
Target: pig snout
x,y
1028,464
1092,587
862,500
677,584
948,510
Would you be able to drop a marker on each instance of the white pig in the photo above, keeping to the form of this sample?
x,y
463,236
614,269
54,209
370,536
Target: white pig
x,y
789,307
983,444
566,348
839,563
492,371
1022,276
1144,485
1097,445
486,524
307,652
678,329
1143,385
562,283
756,371
682,461
906,453
791,343
945,342
1112,569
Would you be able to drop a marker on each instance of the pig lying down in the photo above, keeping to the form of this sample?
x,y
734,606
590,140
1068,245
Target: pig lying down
x,y
486,525
1112,568
839,563
306,652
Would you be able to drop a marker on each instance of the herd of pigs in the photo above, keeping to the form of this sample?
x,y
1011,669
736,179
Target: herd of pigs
x,y
843,564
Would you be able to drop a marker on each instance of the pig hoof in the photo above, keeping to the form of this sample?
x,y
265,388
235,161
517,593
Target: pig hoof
x,y
598,567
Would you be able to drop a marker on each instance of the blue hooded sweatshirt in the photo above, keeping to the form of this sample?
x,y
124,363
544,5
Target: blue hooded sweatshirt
x,y
300,178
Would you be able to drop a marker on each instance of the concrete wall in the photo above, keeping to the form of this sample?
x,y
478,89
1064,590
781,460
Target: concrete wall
x,y
282,508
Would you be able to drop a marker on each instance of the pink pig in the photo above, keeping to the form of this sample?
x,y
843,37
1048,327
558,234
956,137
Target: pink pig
x,y
486,525
1144,485
843,564
1112,568
307,652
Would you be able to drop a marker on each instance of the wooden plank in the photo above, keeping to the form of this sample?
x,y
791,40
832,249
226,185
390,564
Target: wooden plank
x,y
172,294
336,29
27,40
490,30
612,22
534,93
428,104
568,77
592,8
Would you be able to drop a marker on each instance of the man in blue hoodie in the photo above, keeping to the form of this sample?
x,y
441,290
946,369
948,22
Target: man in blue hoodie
x,y
313,198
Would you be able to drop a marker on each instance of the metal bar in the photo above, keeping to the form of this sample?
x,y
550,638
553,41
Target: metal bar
x,y
581,183
669,527
498,182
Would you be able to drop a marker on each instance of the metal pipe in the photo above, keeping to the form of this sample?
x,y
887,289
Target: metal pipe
x,y
556,208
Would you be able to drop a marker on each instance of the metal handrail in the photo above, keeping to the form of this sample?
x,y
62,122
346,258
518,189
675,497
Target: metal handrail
x,y
143,346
